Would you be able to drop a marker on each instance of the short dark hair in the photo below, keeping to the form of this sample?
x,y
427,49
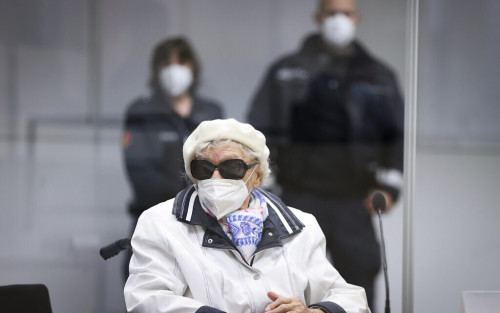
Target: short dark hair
x,y
161,55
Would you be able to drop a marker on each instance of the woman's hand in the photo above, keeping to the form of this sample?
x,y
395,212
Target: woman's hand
x,y
287,305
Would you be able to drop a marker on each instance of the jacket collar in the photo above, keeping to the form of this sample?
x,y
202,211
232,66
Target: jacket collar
x,y
281,223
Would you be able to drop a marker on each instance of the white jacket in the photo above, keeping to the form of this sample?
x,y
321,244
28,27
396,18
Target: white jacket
x,y
183,262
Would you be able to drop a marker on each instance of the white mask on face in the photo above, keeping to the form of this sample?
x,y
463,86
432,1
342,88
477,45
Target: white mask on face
x,y
223,196
338,30
175,79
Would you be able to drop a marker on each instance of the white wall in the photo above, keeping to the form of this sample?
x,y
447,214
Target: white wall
x,y
459,73
457,238
457,175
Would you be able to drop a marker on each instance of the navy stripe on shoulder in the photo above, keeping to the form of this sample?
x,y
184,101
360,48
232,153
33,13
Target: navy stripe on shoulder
x,y
292,220
181,202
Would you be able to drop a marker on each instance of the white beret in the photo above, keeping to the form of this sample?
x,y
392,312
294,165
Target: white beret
x,y
231,129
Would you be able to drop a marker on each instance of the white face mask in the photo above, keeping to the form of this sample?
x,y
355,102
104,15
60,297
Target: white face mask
x,y
223,196
175,79
338,30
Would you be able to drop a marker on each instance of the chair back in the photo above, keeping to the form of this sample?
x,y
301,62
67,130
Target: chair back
x,y
28,298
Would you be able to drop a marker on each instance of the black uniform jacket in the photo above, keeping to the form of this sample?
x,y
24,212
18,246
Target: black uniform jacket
x,y
333,122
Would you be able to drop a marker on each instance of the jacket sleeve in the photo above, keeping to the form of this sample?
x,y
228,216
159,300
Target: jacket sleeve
x,y
327,289
389,176
269,106
155,283
260,106
263,116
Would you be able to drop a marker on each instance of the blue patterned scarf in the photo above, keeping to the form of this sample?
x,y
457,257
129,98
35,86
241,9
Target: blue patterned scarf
x,y
244,226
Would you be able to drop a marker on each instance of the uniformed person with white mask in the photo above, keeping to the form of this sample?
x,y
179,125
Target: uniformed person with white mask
x,y
333,117
157,125
224,245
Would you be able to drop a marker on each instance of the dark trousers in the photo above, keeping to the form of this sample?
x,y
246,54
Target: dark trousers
x,y
350,237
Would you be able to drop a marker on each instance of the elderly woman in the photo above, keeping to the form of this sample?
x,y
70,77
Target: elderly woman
x,y
223,245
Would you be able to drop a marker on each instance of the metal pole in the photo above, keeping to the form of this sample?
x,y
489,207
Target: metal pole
x,y
410,151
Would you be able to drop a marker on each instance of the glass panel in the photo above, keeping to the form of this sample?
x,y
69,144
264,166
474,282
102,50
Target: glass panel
x,y
69,70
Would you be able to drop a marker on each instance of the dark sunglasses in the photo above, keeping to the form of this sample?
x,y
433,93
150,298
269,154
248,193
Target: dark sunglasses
x,y
229,169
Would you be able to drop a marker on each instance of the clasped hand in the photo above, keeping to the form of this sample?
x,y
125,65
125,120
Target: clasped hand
x,y
287,305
